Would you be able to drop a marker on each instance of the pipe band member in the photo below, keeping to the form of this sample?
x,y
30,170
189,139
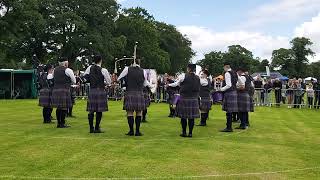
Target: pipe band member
x,y
188,105
134,100
243,98
230,98
205,99
97,103
172,91
46,85
61,97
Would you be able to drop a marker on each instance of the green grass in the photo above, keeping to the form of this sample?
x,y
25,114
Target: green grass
x,y
283,141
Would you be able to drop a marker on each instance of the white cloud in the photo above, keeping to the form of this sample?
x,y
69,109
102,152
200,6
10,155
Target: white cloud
x,y
311,30
205,40
280,10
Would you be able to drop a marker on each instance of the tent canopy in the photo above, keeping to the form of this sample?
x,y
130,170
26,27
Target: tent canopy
x,y
310,79
18,83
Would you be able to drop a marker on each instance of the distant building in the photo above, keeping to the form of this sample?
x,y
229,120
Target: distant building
x,y
273,75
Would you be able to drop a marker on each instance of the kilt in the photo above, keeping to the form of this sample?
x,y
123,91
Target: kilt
x,y
61,98
45,97
188,108
230,102
134,101
205,104
97,100
170,99
244,102
147,99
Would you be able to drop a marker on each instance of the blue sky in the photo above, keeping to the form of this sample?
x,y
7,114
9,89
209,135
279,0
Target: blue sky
x,y
259,25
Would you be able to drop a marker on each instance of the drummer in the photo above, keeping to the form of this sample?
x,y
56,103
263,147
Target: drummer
x,y
205,100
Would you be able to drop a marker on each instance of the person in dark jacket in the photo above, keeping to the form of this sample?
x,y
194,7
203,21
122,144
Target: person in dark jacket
x,y
46,85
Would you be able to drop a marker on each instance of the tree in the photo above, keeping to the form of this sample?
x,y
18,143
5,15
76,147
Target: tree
x,y
300,47
213,61
283,60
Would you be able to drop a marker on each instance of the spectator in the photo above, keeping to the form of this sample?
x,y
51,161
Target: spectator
x,y
258,85
277,85
310,95
290,95
267,91
317,95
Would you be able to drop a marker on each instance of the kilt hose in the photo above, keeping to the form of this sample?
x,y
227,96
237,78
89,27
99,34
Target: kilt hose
x,y
45,97
188,108
61,98
97,100
251,104
134,101
205,104
230,102
243,101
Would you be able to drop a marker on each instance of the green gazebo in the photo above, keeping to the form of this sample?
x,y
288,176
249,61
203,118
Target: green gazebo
x,y
17,84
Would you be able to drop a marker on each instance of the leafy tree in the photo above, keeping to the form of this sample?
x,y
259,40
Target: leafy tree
x,y
283,60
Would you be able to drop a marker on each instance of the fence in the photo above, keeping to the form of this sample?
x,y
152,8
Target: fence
x,y
292,98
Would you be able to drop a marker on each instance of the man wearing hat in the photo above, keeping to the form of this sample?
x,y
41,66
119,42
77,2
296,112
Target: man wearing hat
x,y
230,98
243,99
205,100
134,100
97,103
61,98
188,104
46,84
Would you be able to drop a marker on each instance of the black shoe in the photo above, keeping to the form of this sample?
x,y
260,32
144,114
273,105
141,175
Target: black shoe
x,y
240,127
64,126
190,135
170,116
183,135
202,124
71,116
130,133
144,121
98,131
91,130
138,134
226,130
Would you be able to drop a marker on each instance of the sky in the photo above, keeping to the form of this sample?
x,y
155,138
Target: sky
x,y
259,25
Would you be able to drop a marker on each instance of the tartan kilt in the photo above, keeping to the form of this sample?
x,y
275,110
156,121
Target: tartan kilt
x,y
244,102
205,104
97,100
147,99
171,98
230,102
45,97
134,101
61,98
188,108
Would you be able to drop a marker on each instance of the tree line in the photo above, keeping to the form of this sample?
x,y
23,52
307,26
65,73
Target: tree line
x,y
77,29
291,62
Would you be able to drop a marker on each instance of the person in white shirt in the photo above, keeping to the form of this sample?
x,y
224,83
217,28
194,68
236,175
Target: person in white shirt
x,y
61,96
134,100
99,79
243,98
230,98
188,105
205,98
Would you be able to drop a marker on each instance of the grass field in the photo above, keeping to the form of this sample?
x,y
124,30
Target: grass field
x,y
281,144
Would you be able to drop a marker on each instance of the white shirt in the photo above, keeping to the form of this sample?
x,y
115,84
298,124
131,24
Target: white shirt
x,y
70,74
227,77
104,72
125,71
241,81
50,76
203,82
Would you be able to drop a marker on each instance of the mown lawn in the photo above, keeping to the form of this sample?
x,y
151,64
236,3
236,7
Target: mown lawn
x,y
281,144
